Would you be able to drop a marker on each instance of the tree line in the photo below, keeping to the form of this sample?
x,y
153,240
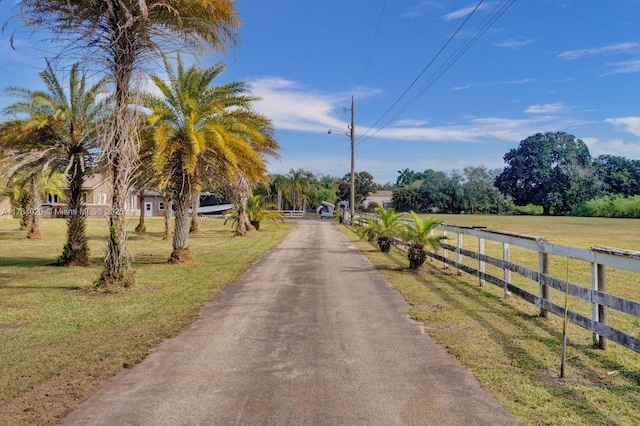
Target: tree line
x,y
552,171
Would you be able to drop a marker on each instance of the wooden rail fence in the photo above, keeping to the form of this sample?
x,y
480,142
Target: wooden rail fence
x,y
598,257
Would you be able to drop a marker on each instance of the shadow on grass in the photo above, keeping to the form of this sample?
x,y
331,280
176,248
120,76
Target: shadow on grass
x,y
27,262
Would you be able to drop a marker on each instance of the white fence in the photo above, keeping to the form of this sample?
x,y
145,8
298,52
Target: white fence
x,y
598,258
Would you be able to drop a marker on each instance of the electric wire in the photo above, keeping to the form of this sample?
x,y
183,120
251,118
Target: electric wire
x,y
371,42
498,11
424,69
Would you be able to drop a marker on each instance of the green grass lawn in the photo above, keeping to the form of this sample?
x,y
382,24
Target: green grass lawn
x,y
512,350
59,340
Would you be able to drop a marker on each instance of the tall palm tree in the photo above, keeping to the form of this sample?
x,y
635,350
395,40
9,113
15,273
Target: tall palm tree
x,y
199,133
299,187
281,185
418,234
58,128
123,34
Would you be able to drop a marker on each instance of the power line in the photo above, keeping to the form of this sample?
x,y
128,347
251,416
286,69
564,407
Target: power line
x,y
482,28
371,43
423,70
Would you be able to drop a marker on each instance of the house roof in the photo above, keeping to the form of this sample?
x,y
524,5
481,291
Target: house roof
x,y
92,181
381,194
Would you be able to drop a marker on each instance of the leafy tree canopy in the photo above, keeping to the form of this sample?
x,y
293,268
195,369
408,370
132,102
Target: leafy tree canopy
x,y
552,170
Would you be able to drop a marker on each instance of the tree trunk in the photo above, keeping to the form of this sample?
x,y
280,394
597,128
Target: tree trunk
x,y
25,205
76,250
121,154
194,229
141,226
417,256
279,199
34,232
120,149
244,225
181,251
385,244
168,207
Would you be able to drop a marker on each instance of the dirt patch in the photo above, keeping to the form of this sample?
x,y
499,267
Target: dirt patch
x,y
49,403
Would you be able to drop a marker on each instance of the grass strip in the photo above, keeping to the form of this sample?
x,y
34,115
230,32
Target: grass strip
x,y
59,340
514,353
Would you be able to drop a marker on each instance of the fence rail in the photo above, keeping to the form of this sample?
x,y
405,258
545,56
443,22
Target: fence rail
x,y
599,258
293,213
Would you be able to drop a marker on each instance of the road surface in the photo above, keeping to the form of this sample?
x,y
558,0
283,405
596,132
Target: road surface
x,y
311,335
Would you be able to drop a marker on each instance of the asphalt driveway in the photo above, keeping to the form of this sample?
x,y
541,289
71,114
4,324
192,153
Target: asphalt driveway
x,y
311,335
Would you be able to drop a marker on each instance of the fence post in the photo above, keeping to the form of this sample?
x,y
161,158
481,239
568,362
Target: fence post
x,y
459,253
445,252
481,262
544,269
506,256
603,342
431,233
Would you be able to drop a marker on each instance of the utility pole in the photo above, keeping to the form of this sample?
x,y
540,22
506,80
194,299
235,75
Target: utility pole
x,y
352,202
352,136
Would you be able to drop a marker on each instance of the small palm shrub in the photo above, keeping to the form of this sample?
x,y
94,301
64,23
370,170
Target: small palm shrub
x,y
383,229
258,210
418,235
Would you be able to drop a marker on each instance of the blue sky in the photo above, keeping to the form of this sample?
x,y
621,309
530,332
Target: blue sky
x,y
544,65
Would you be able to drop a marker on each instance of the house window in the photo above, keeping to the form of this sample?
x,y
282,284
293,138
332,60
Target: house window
x,y
147,207
104,199
84,197
52,198
161,206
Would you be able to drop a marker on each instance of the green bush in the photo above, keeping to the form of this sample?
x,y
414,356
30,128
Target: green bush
x,y
614,205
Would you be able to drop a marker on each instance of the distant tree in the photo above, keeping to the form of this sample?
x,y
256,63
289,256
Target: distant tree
x,y
479,189
435,193
406,198
406,177
619,175
552,170
363,186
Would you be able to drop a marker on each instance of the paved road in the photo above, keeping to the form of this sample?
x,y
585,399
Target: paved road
x,y
311,335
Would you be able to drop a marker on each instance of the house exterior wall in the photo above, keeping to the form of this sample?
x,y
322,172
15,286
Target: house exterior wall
x,y
97,195
383,198
154,205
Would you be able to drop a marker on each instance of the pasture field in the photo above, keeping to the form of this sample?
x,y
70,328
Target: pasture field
x,y
59,340
513,351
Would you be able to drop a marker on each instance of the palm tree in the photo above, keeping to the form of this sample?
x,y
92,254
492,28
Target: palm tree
x,y
58,128
280,184
122,34
418,234
299,187
258,210
199,132
384,229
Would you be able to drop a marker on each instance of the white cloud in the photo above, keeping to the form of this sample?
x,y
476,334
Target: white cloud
x,y
628,124
616,147
420,9
462,13
513,43
290,107
545,108
499,83
625,47
623,67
